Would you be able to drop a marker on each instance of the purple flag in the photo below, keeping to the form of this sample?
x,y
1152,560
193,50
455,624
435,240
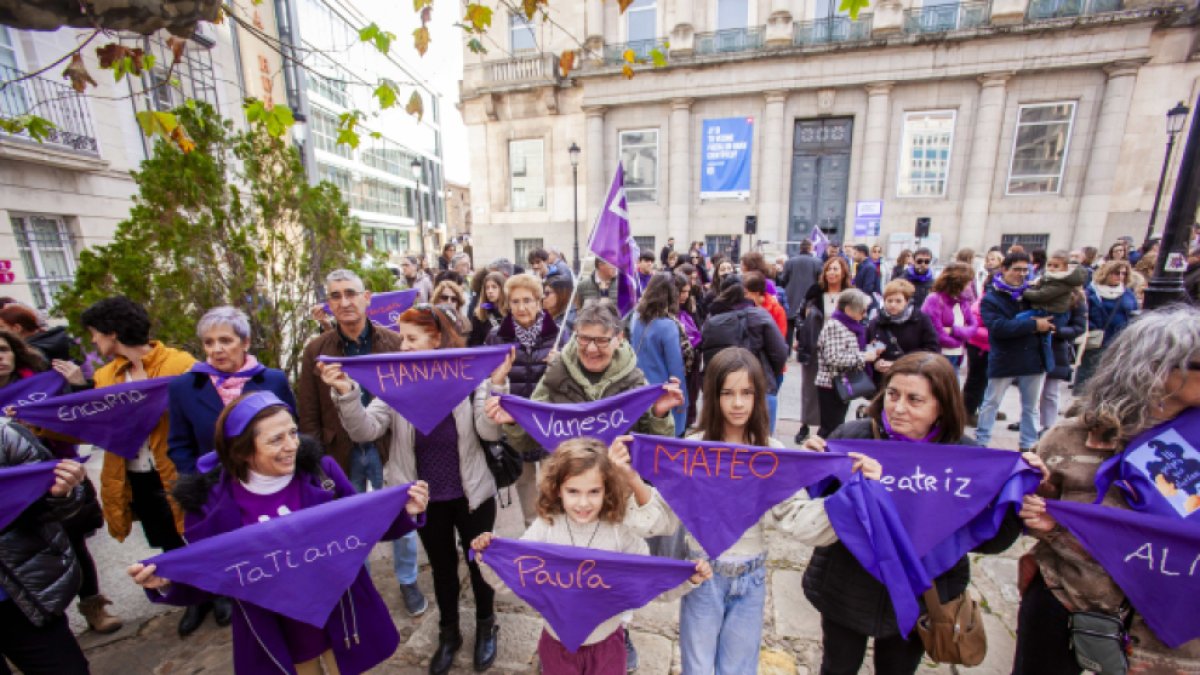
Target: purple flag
x,y
819,240
1159,471
385,308
550,424
425,386
21,486
719,491
118,419
866,522
951,498
32,389
613,242
576,589
1154,559
296,565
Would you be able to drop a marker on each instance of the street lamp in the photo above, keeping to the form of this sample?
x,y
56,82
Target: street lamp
x,y
1167,284
416,171
1175,118
574,152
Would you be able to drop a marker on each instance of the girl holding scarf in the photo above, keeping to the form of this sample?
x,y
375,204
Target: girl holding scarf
x,y
842,347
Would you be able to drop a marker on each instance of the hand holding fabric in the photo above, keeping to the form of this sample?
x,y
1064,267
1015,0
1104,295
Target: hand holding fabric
x,y
67,474
1032,459
496,413
500,374
814,443
1033,514
671,398
870,468
703,573
479,544
70,371
143,575
418,498
332,375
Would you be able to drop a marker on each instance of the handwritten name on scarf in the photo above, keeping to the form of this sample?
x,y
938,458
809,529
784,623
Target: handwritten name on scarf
x,y
549,424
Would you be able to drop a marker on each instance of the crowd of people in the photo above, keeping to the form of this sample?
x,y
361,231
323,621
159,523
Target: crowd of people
x,y
909,349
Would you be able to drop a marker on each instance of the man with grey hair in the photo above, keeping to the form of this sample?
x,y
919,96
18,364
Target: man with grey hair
x,y
416,278
461,263
353,334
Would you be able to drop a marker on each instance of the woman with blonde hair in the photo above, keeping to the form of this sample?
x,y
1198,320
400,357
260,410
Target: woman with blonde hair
x,y
450,294
1111,306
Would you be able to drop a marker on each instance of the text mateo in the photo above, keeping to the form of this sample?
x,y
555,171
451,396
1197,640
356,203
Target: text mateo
x,y
281,560
70,413
424,371
736,463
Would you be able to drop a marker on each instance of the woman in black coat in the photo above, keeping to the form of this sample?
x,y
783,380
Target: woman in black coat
x,y
901,327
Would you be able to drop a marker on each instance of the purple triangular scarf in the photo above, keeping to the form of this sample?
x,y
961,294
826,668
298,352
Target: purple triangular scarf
x,y
211,371
950,498
719,491
385,308
32,389
866,522
1154,559
552,423
297,565
118,419
21,486
576,589
1159,471
425,386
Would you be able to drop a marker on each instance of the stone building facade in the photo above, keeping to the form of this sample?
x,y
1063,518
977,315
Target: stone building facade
x,y
1040,121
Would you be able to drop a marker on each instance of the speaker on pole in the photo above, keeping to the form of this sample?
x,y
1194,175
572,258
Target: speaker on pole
x,y
923,227
751,224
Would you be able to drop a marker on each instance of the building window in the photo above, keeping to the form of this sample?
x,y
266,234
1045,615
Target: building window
x,y
729,246
643,21
526,175
520,34
384,240
325,132
47,253
639,154
191,78
339,177
1031,242
646,244
1040,144
925,154
522,247
733,14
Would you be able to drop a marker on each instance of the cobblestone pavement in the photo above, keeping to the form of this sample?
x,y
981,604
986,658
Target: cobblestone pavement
x,y
148,644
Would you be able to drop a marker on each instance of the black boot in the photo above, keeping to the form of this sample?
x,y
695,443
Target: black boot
x,y
222,610
449,640
486,631
192,617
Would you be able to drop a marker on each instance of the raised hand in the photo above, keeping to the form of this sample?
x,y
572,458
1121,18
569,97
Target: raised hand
x,y
869,467
418,498
496,412
672,397
332,375
67,474
1033,513
500,374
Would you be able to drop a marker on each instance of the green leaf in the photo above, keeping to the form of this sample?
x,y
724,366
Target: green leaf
x,y
853,7
658,58
155,123
382,39
386,93
476,46
348,137
148,61
254,110
37,128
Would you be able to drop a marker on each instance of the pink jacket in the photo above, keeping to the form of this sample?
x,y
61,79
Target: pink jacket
x,y
980,338
940,308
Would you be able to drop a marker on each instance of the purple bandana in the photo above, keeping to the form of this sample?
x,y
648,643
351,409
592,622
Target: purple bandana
x,y
297,565
208,369
1153,559
550,424
699,479
32,389
245,410
385,308
1159,471
1013,291
21,486
854,326
887,426
118,419
576,589
423,387
865,519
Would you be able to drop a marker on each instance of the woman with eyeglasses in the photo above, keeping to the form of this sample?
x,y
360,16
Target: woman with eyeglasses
x,y
490,311
1111,306
556,300
697,262
450,293
450,459
533,332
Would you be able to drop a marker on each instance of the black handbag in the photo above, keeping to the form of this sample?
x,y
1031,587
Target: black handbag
x,y
1099,641
852,384
504,461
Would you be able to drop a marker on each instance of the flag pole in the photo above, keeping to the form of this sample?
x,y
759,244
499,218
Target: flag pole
x,y
575,287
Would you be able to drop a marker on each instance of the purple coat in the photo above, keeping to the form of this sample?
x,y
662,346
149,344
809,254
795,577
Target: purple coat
x,y
940,309
360,629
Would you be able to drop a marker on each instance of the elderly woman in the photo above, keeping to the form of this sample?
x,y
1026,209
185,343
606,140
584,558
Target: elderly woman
x,y
658,339
1151,375
949,307
1111,306
900,327
490,310
264,467
819,303
919,401
533,332
841,348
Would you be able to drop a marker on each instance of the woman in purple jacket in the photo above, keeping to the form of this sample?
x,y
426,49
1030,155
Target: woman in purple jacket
x,y
265,467
949,308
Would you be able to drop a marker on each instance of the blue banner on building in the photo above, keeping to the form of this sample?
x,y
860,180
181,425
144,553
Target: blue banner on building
x,y
725,167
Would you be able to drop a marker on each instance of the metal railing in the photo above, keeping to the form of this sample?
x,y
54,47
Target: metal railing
x,y
615,53
944,18
1040,10
832,29
728,41
54,101
532,68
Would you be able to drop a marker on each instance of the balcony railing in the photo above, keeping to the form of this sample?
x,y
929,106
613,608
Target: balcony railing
x,y
727,41
833,29
944,18
531,68
1041,10
615,53
53,101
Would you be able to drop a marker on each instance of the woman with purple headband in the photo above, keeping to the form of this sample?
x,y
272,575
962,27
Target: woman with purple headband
x,y
267,470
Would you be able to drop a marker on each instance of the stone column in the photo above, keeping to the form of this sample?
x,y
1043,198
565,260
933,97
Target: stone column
x,y
1105,154
887,19
683,32
679,170
596,178
981,163
772,197
875,141
595,23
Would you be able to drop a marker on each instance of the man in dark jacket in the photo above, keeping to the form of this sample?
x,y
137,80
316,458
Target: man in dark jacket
x,y
798,275
39,573
866,278
1016,350
354,335
666,251
920,275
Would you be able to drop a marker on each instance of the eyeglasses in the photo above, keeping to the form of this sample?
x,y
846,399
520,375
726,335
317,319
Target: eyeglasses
x,y
349,294
586,341
1019,270
923,261
448,297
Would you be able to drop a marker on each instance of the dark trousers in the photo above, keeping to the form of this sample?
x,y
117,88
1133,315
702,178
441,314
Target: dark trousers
x,y
694,380
91,582
48,650
833,410
845,648
153,510
1043,638
976,383
442,520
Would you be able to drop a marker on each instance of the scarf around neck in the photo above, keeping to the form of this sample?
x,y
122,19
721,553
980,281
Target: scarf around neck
x,y
904,315
528,337
887,426
229,386
1015,291
856,327
911,273
1109,292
